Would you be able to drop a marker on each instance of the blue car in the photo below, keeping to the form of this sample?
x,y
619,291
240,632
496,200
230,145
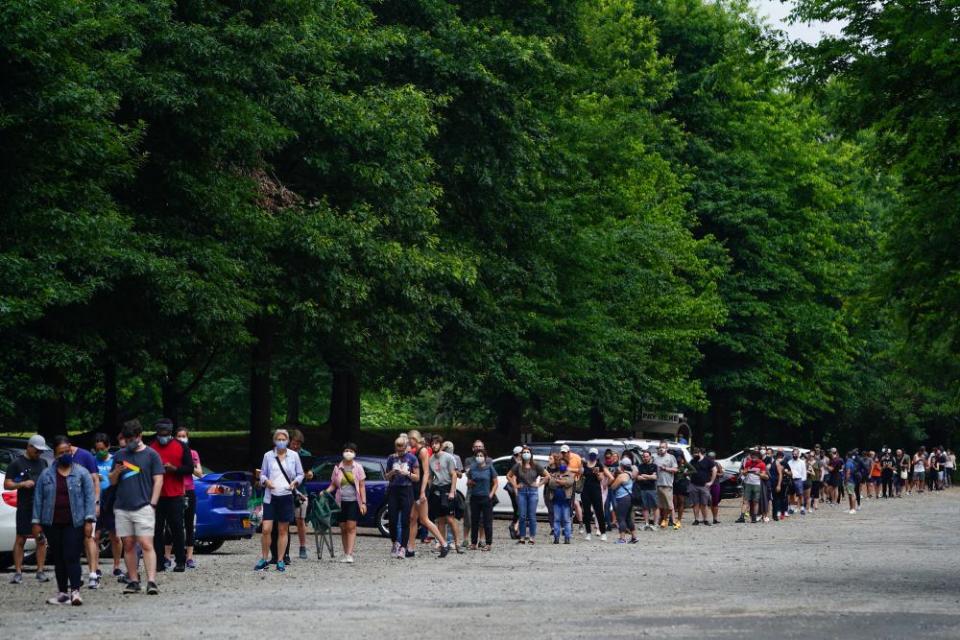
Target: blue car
x,y
222,511
374,467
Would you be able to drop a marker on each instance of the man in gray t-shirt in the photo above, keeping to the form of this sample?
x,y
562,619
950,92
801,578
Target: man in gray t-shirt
x,y
443,490
666,467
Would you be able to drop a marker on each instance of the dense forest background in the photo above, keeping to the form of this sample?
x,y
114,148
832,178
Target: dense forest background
x,y
546,215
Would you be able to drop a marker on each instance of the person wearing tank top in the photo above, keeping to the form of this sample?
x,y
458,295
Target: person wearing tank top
x,y
419,513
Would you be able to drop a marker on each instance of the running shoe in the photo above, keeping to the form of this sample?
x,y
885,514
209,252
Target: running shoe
x,y
191,564
444,550
401,553
676,525
603,537
152,589
588,537
94,582
60,598
117,572
634,540
16,579
261,565
132,587
43,577
621,541
303,553
282,566
75,599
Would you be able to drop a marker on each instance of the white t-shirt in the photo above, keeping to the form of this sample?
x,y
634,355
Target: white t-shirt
x,y
798,467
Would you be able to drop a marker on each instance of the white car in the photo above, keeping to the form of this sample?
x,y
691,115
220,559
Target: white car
x,y
734,462
8,527
502,466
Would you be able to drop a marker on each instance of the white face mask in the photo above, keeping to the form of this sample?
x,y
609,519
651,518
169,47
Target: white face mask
x,y
184,440
348,455
480,459
525,456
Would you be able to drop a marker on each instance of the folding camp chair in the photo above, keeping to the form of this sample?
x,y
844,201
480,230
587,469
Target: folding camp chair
x,y
323,515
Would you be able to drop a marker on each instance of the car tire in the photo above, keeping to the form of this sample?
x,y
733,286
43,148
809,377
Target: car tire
x,y
207,546
383,521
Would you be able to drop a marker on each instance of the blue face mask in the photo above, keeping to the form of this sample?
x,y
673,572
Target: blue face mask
x,y
164,440
133,445
65,460
563,468
281,445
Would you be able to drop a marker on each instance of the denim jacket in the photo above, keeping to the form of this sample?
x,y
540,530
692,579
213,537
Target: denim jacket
x,y
79,488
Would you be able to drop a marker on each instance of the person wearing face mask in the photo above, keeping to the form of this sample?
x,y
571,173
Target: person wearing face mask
x,y
467,464
612,461
138,476
560,485
190,499
281,472
482,481
300,513
101,451
594,474
22,476
63,508
526,477
177,465
403,472
85,459
348,484
514,502
666,468
442,469
622,488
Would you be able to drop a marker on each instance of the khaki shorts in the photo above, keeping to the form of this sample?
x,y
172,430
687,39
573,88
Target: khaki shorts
x,y
139,523
665,498
302,511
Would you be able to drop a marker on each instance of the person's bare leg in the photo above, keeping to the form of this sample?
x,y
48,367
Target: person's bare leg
x,y
18,543
117,547
149,558
282,536
302,531
267,531
41,555
130,558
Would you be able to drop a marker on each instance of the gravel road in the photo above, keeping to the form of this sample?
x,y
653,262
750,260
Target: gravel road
x,y
891,571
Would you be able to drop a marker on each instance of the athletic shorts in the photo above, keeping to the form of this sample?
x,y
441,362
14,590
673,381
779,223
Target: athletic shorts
x,y
665,498
139,523
349,510
24,516
699,495
751,492
920,476
851,488
280,509
439,502
648,498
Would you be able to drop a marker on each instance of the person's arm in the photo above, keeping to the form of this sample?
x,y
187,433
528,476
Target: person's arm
x,y
713,476
298,471
363,496
37,506
186,462
512,479
265,472
197,468
414,473
494,483
115,473
453,481
425,479
157,487
89,505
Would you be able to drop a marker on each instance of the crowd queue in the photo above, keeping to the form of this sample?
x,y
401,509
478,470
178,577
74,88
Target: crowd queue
x,y
143,497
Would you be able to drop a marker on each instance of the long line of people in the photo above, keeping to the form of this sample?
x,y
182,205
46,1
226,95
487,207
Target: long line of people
x,y
142,496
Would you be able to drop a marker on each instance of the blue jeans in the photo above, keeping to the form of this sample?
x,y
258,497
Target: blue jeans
x,y
562,519
528,511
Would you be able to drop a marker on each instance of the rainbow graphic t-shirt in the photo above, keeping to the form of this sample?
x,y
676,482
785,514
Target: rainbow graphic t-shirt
x,y
135,486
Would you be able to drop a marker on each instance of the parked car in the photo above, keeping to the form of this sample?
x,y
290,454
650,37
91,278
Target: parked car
x,y
502,465
376,485
8,524
222,511
734,462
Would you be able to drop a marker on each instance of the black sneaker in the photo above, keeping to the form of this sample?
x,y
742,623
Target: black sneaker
x,y
410,554
556,539
696,523
715,521
742,519
132,587
152,589
705,523
180,568
444,550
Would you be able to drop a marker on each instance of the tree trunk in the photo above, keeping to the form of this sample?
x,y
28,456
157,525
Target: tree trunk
x,y
111,423
170,399
598,424
344,419
261,358
722,423
510,416
291,389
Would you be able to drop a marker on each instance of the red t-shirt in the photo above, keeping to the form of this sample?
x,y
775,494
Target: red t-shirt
x,y
173,452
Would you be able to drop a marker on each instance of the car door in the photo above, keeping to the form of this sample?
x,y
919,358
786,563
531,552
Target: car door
x,y
376,488
504,503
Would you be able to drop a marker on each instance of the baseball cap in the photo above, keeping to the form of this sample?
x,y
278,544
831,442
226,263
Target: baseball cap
x,y
517,450
593,451
565,448
626,462
38,442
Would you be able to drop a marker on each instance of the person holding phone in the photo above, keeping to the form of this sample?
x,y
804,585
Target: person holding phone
x,y
403,472
348,484
22,475
526,478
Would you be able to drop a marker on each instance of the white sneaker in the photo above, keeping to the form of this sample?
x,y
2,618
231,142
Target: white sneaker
x,y
603,537
803,511
588,537
346,560
75,599
766,518
853,512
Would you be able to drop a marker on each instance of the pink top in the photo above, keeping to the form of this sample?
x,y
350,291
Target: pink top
x,y
337,476
188,480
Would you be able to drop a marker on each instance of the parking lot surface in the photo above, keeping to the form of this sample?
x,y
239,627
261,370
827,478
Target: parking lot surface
x,y
890,571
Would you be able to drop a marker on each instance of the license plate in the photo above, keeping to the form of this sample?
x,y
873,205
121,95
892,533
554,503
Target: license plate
x,y
246,523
